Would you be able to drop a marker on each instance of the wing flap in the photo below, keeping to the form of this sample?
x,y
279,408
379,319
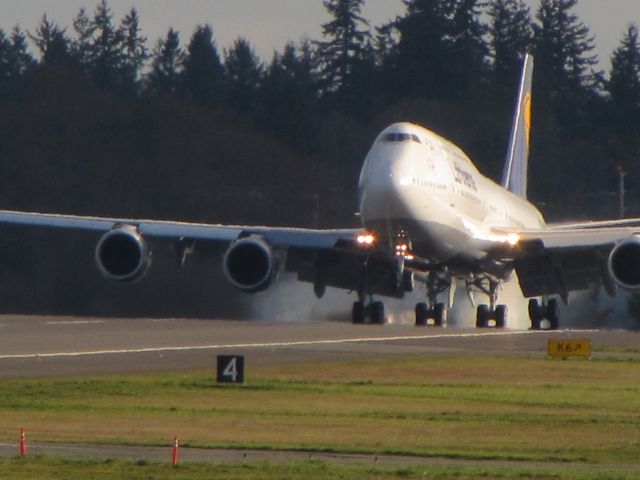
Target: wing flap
x,y
560,271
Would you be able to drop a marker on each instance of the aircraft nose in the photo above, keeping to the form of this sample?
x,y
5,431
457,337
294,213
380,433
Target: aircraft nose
x,y
388,169
385,181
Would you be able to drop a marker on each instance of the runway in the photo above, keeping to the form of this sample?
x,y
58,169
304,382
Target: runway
x,y
50,346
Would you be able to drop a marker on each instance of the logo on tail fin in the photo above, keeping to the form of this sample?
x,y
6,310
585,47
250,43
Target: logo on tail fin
x,y
514,176
527,118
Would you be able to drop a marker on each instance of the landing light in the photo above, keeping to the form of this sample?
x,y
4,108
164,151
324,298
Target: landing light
x,y
402,250
366,239
513,239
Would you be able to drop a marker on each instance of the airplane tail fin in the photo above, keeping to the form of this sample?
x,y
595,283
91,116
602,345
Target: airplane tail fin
x,y
514,176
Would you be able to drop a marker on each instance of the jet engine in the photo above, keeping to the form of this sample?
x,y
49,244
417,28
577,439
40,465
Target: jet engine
x,y
250,264
624,264
122,255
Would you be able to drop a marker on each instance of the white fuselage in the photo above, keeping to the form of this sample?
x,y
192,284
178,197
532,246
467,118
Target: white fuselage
x,y
415,181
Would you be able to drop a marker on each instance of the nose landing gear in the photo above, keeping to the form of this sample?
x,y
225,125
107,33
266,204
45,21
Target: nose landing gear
x,y
432,312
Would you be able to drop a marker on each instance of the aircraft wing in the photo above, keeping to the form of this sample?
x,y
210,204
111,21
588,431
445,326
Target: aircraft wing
x,y
276,236
567,257
322,257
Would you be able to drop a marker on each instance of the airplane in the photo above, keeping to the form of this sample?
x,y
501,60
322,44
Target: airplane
x,y
428,217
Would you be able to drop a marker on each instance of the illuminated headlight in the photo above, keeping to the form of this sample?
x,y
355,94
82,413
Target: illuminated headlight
x,y
366,239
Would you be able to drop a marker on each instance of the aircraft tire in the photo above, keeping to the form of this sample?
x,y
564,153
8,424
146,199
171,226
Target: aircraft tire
x,y
357,313
377,313
501,316
482,316
534,309
535,314
422,313
440,314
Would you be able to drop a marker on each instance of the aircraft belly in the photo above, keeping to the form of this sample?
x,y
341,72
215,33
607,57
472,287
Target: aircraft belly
x,y
431,226
432,240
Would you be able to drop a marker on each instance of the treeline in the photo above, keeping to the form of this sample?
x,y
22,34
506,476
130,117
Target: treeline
x,y
98,120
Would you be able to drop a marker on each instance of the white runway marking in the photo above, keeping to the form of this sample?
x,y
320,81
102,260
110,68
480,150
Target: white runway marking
x,y
282,344
75,322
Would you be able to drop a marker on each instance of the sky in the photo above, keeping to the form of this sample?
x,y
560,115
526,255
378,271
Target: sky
x,y
269,24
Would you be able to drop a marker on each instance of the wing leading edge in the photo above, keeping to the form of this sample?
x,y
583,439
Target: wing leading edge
x,y
277,236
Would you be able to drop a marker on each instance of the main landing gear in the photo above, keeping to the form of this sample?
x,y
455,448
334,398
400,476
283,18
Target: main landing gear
x,y
491,315
373,310
432,312
401,281
548,311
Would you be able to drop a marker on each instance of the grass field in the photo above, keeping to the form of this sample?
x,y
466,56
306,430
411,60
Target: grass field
x,y
452,406
51,468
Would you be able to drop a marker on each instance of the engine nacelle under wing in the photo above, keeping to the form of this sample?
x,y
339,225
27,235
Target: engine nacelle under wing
x,y
624,264
250,264
122,255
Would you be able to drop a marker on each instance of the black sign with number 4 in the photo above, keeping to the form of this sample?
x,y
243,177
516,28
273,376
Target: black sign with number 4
x,y
230,368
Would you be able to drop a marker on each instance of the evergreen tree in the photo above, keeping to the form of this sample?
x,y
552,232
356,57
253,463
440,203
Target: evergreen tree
x,y
511,36
167,64
15,62
385,44
563,49
203,77
7,69
348,36
82,46
288,96
135,50
243,72
20,57
467,43
52,43
423,52
624,83
441,50
107,55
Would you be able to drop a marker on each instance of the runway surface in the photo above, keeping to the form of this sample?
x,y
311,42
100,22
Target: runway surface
x,y
46,346
66,346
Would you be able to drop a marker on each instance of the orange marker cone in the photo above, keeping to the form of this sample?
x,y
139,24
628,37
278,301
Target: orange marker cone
x,y
174,456
23,442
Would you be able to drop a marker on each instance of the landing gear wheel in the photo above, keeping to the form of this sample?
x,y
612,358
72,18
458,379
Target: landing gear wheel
x,y
422,313
552,314
377,313
538,313
501,316
482,316
357,313
440,314
534,311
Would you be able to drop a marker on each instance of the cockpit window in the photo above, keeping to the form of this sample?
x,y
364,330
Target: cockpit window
x,y
400,137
